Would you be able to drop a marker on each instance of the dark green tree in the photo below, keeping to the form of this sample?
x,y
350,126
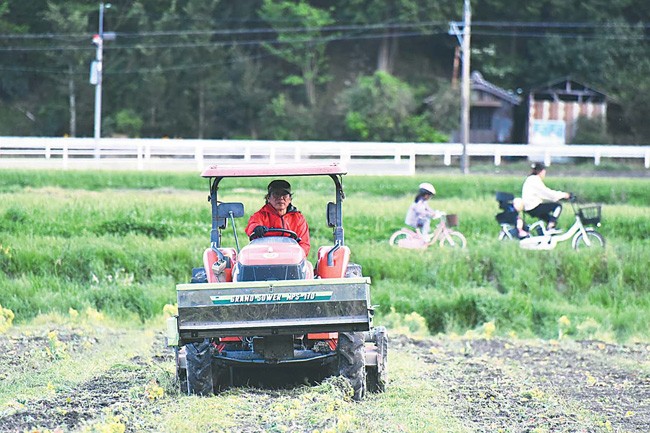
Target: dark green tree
x,y
382,108
389,20
72,59
169,70
300,43
247,91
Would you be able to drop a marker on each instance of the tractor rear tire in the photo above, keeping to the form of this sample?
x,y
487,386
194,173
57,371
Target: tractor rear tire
x,y
352,361
378,374
221,377
199,368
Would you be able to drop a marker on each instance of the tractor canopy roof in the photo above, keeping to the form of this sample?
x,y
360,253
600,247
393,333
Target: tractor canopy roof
x,y
216,173
273,170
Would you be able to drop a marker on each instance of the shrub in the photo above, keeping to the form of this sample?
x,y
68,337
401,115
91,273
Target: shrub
x,y
382,108
128,122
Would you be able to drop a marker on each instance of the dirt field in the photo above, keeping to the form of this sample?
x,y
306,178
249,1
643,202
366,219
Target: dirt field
x,y
490,385
499,385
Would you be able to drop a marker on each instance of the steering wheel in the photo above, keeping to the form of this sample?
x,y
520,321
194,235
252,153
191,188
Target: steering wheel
x,y
293,235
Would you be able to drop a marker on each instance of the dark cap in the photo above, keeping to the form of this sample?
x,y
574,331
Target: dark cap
x,y
279,185
537,167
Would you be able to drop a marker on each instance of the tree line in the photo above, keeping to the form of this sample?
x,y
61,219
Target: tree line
x,y
308,69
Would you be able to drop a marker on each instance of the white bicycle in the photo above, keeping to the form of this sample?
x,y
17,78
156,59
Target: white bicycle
x,y
581,235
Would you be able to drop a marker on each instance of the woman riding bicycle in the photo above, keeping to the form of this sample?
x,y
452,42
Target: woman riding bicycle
x,y
541,201
419,213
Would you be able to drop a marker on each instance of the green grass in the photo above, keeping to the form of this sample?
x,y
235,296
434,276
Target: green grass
x,y
448,184
324,408
119,242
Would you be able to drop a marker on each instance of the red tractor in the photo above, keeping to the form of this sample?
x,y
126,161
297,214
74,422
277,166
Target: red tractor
x,y
264,311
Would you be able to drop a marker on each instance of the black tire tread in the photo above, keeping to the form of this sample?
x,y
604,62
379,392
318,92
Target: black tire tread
x,y
352,361
199,368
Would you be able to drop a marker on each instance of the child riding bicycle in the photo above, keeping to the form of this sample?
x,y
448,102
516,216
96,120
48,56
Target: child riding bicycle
x,y
510,219
419,217
419,214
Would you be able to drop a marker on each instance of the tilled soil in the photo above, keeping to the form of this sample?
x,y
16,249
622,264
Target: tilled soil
x,y
68,409
492,385
83,403
514,386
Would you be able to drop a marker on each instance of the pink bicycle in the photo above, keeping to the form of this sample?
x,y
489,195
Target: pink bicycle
x,y
443,234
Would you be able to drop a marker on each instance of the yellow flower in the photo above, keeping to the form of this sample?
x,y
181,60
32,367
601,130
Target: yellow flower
x,y
591,381
56,349
489,328
6,319
112,425
563,324
94,315
6,251
170,310
153,391
564,321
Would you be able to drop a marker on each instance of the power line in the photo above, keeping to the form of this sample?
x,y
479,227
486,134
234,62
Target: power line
x,y
242,31
422,31
627,37
209,44
326,39
570,25
372,26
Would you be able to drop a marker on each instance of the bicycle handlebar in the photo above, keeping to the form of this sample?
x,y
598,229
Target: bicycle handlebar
x,y
572,198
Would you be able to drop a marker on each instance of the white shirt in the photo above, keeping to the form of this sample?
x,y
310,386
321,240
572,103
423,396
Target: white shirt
x,y
534,193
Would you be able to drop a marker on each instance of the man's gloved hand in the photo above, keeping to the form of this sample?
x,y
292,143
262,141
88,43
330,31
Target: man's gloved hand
x,y
259,232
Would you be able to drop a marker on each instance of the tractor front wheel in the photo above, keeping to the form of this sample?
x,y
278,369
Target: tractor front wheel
x,y
352,361
199,368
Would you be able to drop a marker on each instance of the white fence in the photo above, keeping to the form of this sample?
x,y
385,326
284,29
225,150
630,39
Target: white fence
x,y
358,157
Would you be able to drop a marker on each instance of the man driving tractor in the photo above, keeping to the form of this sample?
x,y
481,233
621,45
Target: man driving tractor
x,y
279,213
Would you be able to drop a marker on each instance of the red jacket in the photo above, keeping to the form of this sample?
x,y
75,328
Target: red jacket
x,y
293,220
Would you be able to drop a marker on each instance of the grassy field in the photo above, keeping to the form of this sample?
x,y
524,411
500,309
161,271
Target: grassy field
x,y
119,242
89,260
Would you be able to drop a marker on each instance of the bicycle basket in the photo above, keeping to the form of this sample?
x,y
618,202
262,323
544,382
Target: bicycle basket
x,y
589,214
452,220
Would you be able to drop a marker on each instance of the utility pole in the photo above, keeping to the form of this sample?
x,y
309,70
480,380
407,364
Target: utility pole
x,y
97,69
465,89
464,41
